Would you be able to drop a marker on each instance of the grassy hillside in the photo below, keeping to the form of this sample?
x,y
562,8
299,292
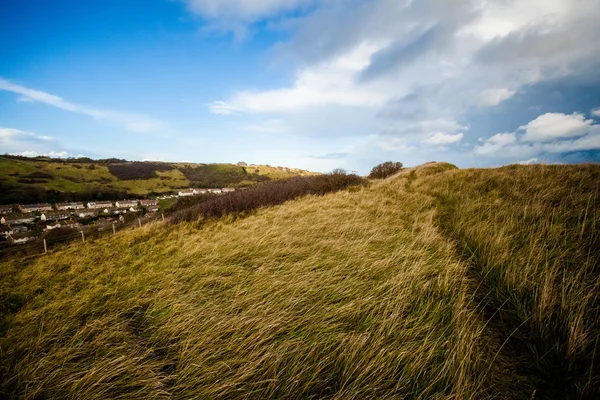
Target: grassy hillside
x,y
44,179
434,283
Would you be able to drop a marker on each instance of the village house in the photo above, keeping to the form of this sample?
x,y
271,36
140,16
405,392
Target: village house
x,y
56,216
100,204
29,208
228,190
214,191
186,193
17,220
5,210
242,164
54,226
20,238
126,203
69,206
153,209
86,213
147,203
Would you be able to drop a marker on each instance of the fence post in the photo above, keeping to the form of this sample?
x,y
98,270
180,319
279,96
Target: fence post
x,y
82,236
163,217
114,232
140,222
45,247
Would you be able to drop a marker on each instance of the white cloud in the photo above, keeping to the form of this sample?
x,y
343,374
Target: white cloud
x,y
328,83
441,138
130,121
495,143
52,154
10,135
596,112
552,126
547,134
415,61
530,161
492,97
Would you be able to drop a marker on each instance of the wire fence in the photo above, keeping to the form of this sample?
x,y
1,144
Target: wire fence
x,y
44,243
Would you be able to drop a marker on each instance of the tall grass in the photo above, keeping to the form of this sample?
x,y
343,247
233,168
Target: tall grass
x,y
433,283
353,294
532,237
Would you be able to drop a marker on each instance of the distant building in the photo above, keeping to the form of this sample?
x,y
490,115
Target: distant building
x,y
56,216
227,190
148,203
100,204
69,206
242,164
126,203
186,193
29,208
20,238
53,226
85,213
18,220
5,210
215,191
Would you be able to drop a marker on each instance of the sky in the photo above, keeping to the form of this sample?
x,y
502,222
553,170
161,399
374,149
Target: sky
x,y
313,84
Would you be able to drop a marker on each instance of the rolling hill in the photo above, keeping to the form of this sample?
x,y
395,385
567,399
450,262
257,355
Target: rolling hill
x,y
434,283
32,180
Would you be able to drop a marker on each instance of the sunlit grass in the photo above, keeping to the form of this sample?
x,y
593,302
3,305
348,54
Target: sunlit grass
x,y
408,288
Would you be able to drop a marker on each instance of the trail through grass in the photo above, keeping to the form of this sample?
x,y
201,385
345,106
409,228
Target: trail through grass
x,y
361,294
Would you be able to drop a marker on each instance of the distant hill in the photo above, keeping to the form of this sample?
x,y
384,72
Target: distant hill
x,y
42,179
434,283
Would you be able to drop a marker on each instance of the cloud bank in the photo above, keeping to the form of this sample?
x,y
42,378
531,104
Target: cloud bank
x,y
410,64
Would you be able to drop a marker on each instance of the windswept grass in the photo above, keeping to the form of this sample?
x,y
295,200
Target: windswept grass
x,y
531,234
434,283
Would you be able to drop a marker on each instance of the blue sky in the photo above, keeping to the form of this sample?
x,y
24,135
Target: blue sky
x,y
302,83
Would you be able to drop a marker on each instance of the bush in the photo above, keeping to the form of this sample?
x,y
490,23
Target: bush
x,y
384,170
268,194
137,170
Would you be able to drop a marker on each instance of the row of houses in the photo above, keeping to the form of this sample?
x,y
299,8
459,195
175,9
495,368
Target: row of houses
x,y
194,192
46,207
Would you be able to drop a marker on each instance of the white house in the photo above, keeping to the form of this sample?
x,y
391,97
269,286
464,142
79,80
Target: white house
x,y
126,203
29,208
4,210
147,203
20,238
215,191
100,204
69,206
186,193
228,190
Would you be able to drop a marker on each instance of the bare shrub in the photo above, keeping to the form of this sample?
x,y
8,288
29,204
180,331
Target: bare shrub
x,y
268,194
385,169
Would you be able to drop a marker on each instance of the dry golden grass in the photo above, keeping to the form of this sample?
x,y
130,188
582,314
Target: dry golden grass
x,y
352,295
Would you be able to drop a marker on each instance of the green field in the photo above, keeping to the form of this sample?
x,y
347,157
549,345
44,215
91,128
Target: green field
x,y
435,283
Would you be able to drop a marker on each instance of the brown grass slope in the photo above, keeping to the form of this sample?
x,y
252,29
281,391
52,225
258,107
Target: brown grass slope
x,y
353,295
